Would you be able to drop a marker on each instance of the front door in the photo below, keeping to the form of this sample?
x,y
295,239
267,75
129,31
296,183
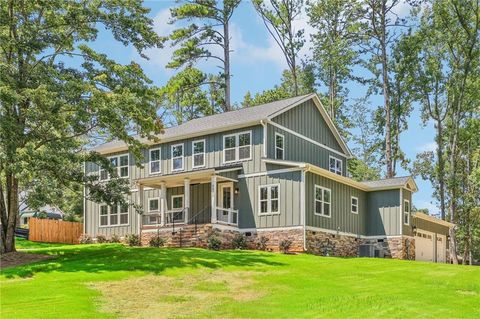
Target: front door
x,y
225,195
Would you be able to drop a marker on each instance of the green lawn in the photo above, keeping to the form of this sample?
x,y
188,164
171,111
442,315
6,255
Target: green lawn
x,y
109,281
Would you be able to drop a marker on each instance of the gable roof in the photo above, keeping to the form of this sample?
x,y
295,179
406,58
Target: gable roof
x,y
227,121
402,181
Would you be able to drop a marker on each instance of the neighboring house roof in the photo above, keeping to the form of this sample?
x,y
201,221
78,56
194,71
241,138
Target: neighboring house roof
x,y
50,209
51,215
383,184
229,120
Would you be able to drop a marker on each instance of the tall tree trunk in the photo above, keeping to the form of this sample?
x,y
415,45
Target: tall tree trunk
x,y
441,167
453,196
386,94
12,210
226,53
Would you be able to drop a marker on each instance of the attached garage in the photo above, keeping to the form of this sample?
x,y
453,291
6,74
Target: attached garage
x,y
430,238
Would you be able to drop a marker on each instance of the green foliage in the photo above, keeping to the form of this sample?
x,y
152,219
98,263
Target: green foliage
x,y
337,26
207,29
261,243
133,240
213,242
86,239
279,17
101,239
52,106
114,239
285,246
156,241
239,242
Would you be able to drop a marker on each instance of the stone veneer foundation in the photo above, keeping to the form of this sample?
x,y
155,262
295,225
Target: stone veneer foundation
x,y
191,236
317,242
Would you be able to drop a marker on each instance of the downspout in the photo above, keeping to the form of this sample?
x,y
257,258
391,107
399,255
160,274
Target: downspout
x,y
84,199
302,207
264,124
401,212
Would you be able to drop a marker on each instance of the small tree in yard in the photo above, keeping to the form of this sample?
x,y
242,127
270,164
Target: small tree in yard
x,y
56,93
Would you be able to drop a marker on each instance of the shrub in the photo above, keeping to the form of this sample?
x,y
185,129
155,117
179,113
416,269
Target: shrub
x,y
239,242
114,239
156,241
133,240
262,243
285,245
101,239
86,239
214,242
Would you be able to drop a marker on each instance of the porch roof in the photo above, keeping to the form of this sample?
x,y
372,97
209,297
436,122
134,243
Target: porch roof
x,y
177,179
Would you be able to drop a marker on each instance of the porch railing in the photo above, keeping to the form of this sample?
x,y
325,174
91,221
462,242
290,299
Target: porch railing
x,y
171,217
227,216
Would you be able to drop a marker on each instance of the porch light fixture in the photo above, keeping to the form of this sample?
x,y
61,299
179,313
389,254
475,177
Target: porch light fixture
x,y
236,191
414,230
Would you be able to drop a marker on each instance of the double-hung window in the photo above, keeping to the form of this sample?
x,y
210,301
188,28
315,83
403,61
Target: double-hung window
x,y
279,146
198,151
177,202
335,165
153,210
237,147
120,167
269,199
116,215
177,157
406,212
323,200
354,204
155,161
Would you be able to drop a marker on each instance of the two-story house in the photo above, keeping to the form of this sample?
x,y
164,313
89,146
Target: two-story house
x,y
276,170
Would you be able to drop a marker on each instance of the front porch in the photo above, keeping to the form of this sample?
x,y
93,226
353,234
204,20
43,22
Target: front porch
x,y
191,198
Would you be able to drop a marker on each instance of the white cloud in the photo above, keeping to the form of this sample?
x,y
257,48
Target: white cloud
x,y
427,147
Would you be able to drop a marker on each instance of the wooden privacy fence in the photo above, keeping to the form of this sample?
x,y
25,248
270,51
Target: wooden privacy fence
x,y
54,231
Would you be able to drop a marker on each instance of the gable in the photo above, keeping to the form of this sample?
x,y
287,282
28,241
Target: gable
x,y
307,120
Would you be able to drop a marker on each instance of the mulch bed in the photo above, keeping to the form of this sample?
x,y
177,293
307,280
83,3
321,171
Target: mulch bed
x,y
19,258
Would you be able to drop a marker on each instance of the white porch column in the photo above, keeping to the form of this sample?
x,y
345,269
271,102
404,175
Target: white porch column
x,y
213,193
186,198
163,202
140,203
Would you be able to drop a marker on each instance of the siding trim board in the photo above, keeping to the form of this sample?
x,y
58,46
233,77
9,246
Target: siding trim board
x,y
271,172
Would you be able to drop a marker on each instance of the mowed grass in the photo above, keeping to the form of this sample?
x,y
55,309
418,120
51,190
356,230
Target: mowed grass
x,y
113,281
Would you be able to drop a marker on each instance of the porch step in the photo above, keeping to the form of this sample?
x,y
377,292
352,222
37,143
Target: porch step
x,y
186,235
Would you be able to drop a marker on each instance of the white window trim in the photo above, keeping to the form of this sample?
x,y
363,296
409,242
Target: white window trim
x,y
269,200
351,204
159,203
405,213
237,146
109,213
281,148
204,152
183,157
159,149
315,200
336,159
118,167
183,203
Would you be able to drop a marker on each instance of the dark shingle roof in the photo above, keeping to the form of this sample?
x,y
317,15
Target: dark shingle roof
x,y
218,121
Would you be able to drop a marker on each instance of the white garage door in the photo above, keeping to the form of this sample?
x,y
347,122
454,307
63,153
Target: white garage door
x,y
424,246
441,249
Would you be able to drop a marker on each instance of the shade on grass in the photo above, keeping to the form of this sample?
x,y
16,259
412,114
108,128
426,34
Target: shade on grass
x,y
81,282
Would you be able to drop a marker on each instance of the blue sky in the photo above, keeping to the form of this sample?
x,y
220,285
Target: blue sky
x,y
257,64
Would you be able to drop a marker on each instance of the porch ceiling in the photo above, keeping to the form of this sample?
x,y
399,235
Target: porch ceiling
x,y
173,180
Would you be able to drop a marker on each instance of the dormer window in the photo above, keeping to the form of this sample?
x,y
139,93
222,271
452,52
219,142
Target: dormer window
x,y
335,165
